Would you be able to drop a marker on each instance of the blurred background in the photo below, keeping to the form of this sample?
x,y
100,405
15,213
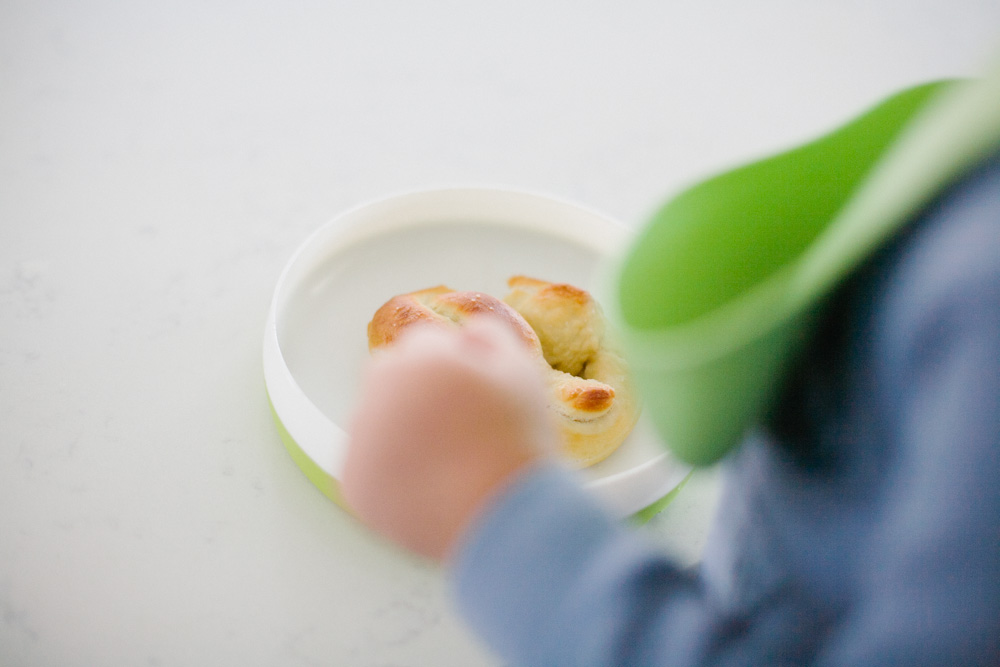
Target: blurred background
x,y
159,162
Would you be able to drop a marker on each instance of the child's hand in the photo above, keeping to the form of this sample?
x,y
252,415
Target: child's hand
x,y
445,419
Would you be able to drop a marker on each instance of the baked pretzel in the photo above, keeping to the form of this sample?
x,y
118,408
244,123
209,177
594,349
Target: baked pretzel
x,y
587,382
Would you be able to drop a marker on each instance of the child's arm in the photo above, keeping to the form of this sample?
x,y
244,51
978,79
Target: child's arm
x,y
451,436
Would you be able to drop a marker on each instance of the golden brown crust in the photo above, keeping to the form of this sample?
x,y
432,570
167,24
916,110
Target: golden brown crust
x,y
553,291
591,398
459,306
589,388
400,312
441,306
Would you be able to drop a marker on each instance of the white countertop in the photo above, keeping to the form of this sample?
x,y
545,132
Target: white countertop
x,y
159,162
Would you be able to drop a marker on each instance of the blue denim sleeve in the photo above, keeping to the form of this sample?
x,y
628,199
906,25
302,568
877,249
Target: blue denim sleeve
x,y
547,578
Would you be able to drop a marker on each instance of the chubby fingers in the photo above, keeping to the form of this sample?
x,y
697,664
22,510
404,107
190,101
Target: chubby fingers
x,y
445,418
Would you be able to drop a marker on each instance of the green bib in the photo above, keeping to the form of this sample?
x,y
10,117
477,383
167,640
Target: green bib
x,y
718,291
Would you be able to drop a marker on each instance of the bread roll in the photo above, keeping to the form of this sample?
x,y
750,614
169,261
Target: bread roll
x,y
588,387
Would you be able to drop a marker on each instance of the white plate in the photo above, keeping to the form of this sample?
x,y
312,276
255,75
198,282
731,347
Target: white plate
x,y
315,342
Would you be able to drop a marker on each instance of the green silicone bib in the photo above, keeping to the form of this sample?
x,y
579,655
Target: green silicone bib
x,y
717,291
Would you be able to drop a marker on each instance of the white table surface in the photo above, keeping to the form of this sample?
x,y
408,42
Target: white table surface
x,y
160,161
